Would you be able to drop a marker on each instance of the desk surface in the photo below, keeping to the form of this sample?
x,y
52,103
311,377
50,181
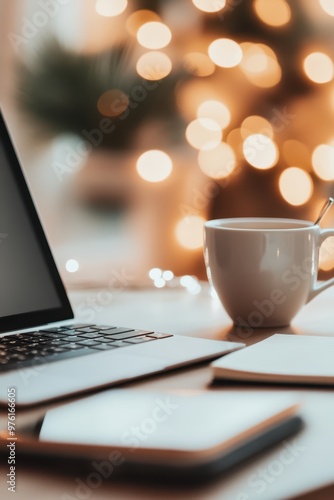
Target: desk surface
x,y
264,477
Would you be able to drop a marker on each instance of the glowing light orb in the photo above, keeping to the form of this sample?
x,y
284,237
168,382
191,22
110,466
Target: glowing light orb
x,y
138,18
203,133
323,162
296,186
72,266
319,67
154,65
259,64
155,273
189,232
260,151
113,103
326,254
225,53
154,35
256,125
110,9
215,110
274,13
154,166
219,162
328,6
209,5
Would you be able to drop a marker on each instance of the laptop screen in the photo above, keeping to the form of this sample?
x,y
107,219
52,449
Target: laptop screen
x,y
31,292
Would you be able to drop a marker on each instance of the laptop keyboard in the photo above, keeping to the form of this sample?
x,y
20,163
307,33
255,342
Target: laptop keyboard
x,y
64,342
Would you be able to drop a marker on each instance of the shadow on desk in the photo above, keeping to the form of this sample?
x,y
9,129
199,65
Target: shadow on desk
x,y
249,335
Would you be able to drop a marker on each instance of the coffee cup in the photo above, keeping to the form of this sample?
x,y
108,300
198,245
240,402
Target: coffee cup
x,y
264,270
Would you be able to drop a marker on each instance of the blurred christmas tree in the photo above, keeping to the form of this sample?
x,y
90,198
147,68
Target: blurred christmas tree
x,y
257,105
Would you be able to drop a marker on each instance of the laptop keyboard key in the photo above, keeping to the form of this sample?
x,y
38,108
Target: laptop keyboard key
x,y
139,340
56,344
87,342
113,331
103,347
128,334
88,335
159,335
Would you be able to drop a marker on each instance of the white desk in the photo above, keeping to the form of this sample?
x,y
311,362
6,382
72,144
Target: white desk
x,y
264,477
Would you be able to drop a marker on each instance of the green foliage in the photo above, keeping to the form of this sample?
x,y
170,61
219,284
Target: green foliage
x,y
61,89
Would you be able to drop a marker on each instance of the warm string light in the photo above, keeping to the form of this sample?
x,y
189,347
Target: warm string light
x,y
259,64
110,9
323,162
189,232
328,6
296,186
275,13
219,149
203,133
256,125
154,35
209,5
225,52
319,67
215,110
72,266
162,279
260,151
154,65
154,166
218,162
138,19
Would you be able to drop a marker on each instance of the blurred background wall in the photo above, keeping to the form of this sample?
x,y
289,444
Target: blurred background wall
x,y
136,121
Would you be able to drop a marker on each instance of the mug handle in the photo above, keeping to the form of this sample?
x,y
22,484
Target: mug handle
x,y
324,234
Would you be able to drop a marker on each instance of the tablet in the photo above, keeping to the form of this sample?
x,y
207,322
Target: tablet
x,y
181,435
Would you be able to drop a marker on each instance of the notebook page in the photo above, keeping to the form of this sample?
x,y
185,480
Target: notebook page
x,y
283,354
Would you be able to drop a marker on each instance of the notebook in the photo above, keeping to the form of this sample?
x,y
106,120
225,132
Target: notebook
x,y
44,357
281,358
184,434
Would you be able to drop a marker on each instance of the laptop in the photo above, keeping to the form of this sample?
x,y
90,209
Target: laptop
x,y
44,353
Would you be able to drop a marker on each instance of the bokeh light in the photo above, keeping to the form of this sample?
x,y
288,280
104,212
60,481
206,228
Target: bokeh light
x,y
225,52
328,6
198,64
168,275
219,162
323,162
274,12
154,65
319,67
326,254
203,133
110,9
260,151
259,64
113,103
72,266
209,5
189,232
296,186
216,110
155,273
138,18
256,125
154,35
154,165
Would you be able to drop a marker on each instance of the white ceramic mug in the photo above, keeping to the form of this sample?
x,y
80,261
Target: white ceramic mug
x,y
264,270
